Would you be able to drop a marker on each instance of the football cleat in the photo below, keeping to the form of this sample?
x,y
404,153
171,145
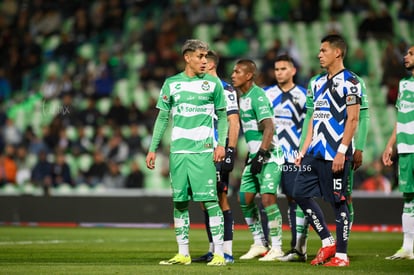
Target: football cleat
x,y
401,254
228,258
293,256
272,255
254,251
205,258
178,259
335,261
324,253
217,261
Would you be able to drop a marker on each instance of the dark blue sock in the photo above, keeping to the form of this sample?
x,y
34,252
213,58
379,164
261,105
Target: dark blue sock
x,y
228,225
342,227
292,222
264,221
207,223
315,216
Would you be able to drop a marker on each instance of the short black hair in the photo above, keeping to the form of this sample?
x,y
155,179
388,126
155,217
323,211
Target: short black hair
x,y
285,57
337,41
213,56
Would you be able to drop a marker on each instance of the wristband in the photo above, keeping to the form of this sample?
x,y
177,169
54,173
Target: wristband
x,y
342,148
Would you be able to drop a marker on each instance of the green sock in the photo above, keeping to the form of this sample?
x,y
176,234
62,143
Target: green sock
x,y
216,221
275,225
252,218
182,226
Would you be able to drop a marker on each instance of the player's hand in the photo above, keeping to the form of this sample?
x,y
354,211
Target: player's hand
x,y
219,153
357,159
150,160
298,159
258,161
228,163
338,163
386,157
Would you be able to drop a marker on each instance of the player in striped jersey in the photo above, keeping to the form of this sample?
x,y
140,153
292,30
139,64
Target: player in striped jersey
x,y
288,101
193,97
327,149
224,168
403,135
263,168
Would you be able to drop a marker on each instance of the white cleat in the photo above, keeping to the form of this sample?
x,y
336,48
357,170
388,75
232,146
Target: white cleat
x,y
273,255
401,254
254,251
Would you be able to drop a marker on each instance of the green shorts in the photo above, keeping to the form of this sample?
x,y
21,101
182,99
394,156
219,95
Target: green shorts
x,y
266,182
193,177
406,173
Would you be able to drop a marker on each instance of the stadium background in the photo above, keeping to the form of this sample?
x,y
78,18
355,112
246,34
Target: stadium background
x,y
60,56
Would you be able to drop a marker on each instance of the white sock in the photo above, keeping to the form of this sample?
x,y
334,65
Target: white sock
x,y
183,249
228,247
408,226
342,256
328,241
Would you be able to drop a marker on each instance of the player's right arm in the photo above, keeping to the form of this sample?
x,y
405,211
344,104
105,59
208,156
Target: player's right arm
x,y
160,126
386,156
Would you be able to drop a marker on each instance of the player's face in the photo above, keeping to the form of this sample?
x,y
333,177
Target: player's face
x,y
196,62
409,59
327,55
240,76
284,71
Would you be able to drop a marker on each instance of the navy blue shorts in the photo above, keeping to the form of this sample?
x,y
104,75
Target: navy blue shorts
x,y
319,180
289,174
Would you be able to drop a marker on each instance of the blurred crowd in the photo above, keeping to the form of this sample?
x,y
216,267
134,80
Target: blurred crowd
x,y
78,53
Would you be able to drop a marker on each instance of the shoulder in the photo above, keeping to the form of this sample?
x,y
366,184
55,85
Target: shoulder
x,y
351,77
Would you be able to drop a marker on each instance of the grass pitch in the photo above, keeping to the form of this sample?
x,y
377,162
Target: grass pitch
x,y
40,250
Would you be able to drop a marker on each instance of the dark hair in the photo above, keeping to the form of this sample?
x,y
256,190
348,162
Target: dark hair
x,y
249,64
285,57
213,56
336,41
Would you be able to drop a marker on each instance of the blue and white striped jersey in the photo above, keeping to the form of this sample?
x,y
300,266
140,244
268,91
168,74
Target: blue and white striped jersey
x,y
289,109
330,97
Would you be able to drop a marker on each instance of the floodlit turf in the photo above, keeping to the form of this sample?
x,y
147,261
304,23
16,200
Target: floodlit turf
x,y
36,250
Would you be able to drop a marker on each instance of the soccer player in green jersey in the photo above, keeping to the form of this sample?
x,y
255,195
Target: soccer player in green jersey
x,y
262,173
403,135
192,98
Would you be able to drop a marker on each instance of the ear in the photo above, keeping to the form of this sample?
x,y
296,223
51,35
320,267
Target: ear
x,y
187,57
338,53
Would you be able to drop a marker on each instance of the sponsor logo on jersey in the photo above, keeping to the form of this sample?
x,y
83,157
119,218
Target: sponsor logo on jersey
x,y
282,112
406,106
195,109
321,103
202,97
322,115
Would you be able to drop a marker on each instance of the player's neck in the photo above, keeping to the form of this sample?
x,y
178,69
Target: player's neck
x,y
334,69
286,87
245,88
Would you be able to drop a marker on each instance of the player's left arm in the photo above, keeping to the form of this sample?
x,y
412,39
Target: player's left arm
x,y
361,137
350,126
222,127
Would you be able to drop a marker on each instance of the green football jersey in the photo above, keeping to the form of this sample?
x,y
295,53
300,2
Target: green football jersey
x,y
405,116
192,102
255,107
